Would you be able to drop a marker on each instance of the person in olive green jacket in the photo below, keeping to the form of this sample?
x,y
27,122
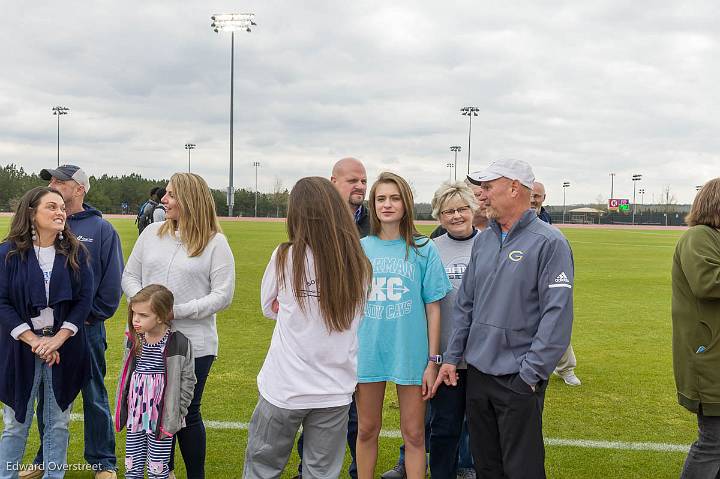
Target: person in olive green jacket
x,y
696,328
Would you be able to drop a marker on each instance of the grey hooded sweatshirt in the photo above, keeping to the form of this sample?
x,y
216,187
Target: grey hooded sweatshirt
x,y
514,309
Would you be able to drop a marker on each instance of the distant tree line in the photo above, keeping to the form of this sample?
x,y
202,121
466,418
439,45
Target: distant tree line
x,y
124,194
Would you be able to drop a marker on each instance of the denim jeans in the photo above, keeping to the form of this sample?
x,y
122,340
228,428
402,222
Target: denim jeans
x,y
192,437
352,431
465,460
703,460
98,425
55,440
447,414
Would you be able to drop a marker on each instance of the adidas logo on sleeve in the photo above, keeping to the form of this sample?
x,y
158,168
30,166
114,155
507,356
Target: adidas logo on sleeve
x,y
561,281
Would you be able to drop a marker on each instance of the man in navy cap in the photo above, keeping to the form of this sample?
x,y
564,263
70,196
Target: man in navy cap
x,y
511,323
106,258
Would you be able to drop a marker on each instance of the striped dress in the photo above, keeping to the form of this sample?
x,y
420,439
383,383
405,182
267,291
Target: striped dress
x,y
147,387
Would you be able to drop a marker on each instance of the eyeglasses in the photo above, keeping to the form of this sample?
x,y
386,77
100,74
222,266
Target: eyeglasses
x,y
451,212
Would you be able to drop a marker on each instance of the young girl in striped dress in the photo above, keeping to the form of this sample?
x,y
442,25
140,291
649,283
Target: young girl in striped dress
x,y
156,383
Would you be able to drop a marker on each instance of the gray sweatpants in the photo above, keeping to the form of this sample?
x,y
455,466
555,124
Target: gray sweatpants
x,y
271,436
567,362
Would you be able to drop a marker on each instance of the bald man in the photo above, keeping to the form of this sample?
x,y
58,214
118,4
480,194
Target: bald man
x,y
350,179
566,367
536,201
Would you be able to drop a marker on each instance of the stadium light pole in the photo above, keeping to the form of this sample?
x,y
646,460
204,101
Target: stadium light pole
x,y
635,179
612,184
232,22
455,149
256,164
642,196
469,111
566,184
188,147
59,111
698,188
450,165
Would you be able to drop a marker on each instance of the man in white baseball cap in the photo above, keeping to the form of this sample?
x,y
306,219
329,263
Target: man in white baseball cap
x,y
511,323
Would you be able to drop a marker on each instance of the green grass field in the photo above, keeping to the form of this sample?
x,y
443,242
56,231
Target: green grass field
x,y
622,339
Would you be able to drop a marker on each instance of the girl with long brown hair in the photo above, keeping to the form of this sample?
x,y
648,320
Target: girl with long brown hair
x,y
315,287
400,333
188,254
46,292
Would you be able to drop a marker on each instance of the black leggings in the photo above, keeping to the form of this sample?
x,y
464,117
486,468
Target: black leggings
x,y
192,436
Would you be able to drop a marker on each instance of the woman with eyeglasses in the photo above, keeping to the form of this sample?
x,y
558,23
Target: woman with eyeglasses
x,y
454,205
46,291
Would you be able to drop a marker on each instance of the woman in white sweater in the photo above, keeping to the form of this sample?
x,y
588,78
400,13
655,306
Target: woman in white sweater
x,y
189,255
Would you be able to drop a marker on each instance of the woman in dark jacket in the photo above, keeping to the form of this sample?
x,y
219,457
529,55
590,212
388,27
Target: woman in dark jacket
x,y
696,328
45,295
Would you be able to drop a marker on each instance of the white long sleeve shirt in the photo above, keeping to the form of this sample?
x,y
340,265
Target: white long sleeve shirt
x,y
306,367
202,285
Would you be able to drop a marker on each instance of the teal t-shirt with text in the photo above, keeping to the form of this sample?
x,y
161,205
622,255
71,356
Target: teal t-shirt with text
x,y
393,335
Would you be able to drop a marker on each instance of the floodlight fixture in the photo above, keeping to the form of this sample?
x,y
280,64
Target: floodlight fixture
x,y
188,147
232,22
59,111
635,178
455,149
470,112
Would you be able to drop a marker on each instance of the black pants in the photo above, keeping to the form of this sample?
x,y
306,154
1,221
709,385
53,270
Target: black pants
x,y
505,422
192,437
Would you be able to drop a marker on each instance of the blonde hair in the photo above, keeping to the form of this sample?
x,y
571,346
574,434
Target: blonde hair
x,y
161,302
197,221
449,190
407,226
319,220
705,209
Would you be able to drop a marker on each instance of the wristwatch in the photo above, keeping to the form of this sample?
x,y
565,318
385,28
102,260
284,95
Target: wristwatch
x,y
435,358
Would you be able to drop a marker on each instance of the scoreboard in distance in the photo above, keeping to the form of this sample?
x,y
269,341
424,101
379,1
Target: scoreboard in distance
x,y
619,204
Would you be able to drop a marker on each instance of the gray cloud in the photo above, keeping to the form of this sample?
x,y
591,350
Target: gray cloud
x,y
577,89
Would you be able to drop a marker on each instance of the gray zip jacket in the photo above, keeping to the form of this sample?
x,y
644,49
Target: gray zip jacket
x,y
179,385
514,309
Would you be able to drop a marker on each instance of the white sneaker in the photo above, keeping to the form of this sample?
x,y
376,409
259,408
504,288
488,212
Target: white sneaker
x,y
571,380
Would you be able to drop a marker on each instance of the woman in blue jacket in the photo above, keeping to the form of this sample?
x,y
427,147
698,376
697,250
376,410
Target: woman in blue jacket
x,y
45,296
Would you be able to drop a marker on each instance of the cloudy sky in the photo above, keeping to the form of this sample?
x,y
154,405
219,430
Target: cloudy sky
x,y
577,89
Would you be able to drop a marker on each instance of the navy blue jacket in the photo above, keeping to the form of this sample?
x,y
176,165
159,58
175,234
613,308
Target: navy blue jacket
x,y
544,215
22,296
106,259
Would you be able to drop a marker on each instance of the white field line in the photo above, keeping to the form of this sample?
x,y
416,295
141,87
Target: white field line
x,y
584,443
623,244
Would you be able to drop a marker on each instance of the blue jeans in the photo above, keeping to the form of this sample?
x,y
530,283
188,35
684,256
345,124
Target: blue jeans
x,y
352,430
465,460
447,413
703,459
55,440
99,432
